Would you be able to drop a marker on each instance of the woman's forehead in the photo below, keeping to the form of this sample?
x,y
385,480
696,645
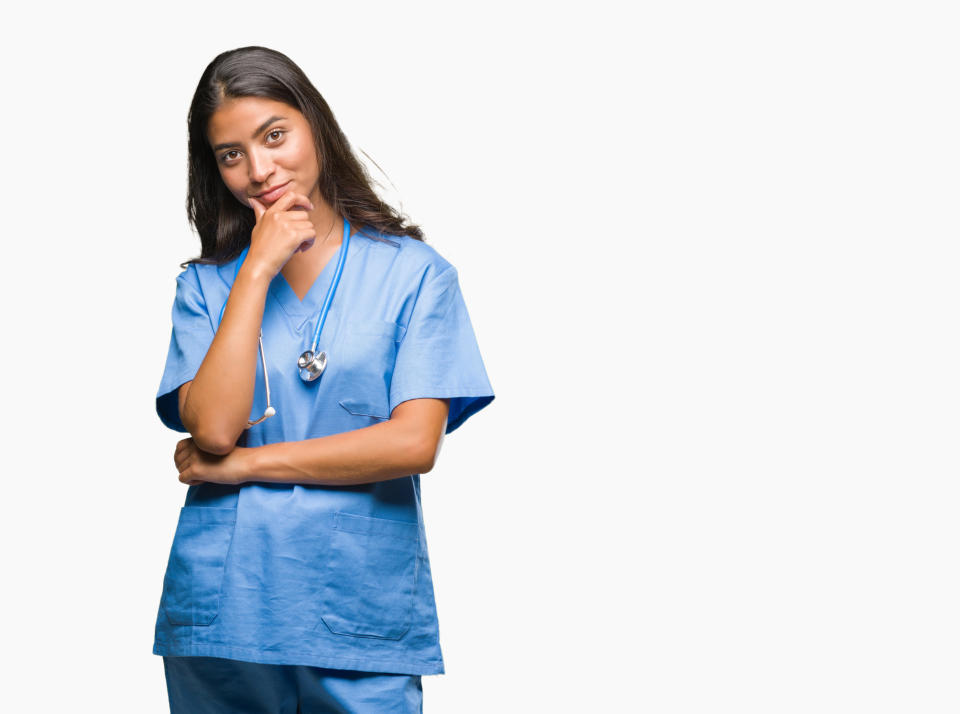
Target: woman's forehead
x,y
247,113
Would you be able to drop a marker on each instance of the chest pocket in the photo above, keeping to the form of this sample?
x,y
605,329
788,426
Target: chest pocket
x,y
369,353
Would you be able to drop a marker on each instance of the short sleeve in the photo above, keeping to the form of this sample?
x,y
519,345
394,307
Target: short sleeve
x,y
438,355
190,339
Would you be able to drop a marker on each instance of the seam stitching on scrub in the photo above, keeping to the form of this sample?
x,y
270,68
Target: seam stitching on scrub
x,y
200,645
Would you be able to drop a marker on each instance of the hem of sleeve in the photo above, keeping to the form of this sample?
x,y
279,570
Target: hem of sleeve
x,y
167,402
474,399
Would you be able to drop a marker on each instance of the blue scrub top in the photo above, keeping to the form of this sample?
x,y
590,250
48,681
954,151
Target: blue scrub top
x,y
327,576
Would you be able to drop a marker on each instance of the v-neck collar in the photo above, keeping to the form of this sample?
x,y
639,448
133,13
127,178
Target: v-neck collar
x,y
310,305
300,313
294,306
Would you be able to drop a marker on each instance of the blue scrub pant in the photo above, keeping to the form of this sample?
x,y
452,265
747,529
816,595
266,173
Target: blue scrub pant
x,y
212,685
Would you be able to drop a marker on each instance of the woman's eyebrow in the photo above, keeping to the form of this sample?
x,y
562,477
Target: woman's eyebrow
x,y
256,133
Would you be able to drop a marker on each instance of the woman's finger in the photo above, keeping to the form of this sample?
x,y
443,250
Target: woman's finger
x,y
181,454
187,476
291,199
258,208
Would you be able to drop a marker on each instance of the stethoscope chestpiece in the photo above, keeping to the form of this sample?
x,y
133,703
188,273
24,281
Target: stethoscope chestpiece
x,y
312,365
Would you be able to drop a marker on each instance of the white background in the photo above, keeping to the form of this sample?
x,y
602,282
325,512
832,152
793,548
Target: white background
x,y
710,254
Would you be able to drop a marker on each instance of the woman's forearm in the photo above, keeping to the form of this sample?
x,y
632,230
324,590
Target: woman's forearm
x,y
220,396
379,452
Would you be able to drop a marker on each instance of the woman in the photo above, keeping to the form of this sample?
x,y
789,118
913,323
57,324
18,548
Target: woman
x,y
299,577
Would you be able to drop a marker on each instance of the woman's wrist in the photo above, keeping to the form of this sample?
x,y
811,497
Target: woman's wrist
x,y
245,468
256,275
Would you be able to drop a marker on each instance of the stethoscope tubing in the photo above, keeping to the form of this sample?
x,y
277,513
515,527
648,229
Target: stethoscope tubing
x,y
341,259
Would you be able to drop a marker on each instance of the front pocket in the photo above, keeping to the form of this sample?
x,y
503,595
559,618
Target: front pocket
x,y
191,587
365,365
372,576
378,409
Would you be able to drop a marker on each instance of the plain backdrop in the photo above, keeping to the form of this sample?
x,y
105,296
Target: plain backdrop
x,y
710,253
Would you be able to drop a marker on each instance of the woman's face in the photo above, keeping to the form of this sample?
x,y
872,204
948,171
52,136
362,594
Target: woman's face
x,y
261,144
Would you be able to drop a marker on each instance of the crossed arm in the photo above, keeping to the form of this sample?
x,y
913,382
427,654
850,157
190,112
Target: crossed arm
x,y
215,404
408,443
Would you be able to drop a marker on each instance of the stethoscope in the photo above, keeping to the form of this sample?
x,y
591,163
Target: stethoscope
x,y
311,363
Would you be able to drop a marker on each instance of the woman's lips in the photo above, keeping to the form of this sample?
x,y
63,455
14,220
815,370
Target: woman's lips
x,y
274,194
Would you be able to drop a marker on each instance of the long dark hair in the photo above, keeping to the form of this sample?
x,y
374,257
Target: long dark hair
x,y
223,223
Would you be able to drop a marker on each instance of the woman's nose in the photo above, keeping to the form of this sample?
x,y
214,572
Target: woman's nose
x,y
260,167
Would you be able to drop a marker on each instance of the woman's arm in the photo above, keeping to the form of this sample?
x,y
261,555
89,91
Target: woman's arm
x,y
215,405
408,443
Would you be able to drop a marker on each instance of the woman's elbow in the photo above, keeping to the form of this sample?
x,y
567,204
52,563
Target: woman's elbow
x,y
218,444
213,431
217,448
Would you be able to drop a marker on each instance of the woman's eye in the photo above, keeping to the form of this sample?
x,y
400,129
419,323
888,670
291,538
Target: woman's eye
x,y
225,157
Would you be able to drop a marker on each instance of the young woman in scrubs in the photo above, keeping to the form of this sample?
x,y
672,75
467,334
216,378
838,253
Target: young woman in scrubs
x,y
299,578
